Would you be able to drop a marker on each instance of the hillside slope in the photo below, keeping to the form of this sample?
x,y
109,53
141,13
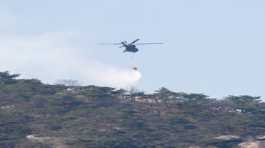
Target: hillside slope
x,y
35,115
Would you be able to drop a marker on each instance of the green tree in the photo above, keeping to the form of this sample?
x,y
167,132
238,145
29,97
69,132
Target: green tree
x,y
7,78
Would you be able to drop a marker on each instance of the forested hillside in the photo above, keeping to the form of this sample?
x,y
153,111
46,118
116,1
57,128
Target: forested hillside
x,y
36,115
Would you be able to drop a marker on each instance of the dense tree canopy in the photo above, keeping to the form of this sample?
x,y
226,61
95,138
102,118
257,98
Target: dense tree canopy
x,y
33,114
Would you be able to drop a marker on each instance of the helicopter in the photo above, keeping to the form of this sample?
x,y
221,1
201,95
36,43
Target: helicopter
x,y
130,47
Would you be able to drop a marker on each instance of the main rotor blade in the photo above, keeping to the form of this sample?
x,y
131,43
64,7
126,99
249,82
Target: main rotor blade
x,y
149,43
134,41
110,43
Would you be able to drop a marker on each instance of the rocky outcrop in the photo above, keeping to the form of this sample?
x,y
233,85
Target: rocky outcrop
x,y
227,138
251,144
237,141
55,142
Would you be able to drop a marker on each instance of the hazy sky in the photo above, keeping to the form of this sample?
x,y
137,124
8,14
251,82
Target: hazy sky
x,y
214,47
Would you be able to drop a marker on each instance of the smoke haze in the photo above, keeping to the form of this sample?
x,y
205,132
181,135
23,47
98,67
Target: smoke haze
x,y
51,57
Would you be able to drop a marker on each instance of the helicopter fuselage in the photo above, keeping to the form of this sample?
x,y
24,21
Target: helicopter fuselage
x,y
131,48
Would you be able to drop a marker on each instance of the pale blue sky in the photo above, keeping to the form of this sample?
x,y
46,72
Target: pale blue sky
x,y
214,47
